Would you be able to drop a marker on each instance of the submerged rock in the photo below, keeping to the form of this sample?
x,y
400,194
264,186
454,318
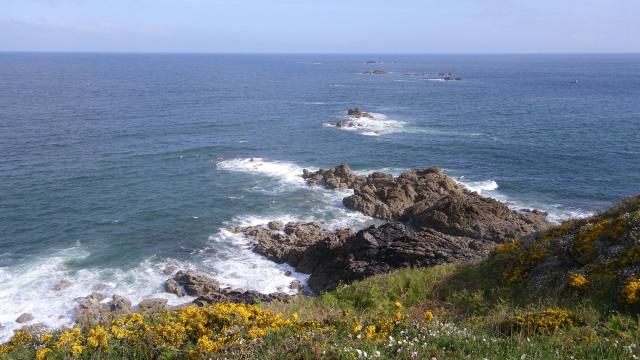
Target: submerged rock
x,y
24,318
171,286
169,269
61,285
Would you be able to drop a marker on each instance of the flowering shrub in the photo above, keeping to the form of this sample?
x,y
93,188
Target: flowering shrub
x,y
578,281
549,320
631,291
191,330
516,260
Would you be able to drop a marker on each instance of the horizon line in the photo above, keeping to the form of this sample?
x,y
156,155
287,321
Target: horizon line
x,y
101,52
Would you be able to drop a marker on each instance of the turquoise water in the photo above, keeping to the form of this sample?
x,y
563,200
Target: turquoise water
x,y
114,166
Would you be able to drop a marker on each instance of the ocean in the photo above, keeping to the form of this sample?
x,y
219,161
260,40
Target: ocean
x,y
115,165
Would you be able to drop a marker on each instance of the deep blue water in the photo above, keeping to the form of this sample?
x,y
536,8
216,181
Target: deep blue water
x,y
113,166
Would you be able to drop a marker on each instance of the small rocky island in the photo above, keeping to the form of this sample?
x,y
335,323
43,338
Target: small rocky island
x,y
353,115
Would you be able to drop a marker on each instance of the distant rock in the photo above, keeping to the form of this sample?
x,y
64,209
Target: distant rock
x,y
24,318
374,72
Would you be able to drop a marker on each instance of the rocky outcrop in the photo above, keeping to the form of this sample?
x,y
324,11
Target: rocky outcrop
x,y
331,257
429,199
339,177
208,290
195,284
240,296
435,221
291,245
391,246
358,113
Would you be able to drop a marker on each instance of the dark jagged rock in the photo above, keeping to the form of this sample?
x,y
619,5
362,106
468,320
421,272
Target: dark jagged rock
x,y
208,290
196,284
290,247
379,72
240,296
343,256
428,198
391,246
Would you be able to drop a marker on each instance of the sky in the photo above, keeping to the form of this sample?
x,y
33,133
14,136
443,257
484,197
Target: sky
x,y
327,26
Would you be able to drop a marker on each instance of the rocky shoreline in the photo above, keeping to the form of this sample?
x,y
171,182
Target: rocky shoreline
x,y
431,220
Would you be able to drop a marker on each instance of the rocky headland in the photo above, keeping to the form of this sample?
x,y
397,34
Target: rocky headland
x,y
433,220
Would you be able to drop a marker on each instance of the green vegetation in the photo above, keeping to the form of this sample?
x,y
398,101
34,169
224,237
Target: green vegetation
x,y
574,293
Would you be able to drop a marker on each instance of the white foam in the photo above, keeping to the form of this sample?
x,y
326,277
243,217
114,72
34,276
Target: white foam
x,y
479,186
28,288
282,170
378,125
239,267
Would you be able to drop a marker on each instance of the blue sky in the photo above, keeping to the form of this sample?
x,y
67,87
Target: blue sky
x,y
328,26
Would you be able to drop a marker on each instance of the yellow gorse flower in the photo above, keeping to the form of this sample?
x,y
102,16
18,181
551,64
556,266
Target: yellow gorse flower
x,y
42,354
578,281
631,291
428,315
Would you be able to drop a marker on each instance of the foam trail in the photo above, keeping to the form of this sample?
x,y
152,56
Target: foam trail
x,y
378,125
237,266
282,170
